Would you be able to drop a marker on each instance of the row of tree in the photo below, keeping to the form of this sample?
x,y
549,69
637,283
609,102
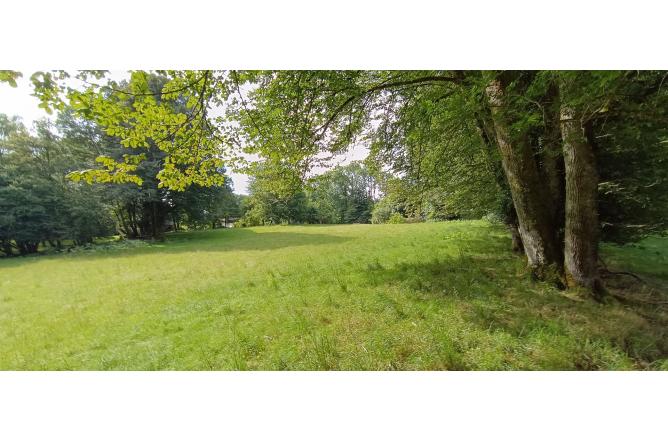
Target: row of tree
x,y
40,206
46,202
345,194
563,158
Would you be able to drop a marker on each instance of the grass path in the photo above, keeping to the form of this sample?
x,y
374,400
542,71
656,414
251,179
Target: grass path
x,y
416,296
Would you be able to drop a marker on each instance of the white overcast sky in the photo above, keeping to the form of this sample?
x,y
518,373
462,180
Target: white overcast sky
x,y
20,102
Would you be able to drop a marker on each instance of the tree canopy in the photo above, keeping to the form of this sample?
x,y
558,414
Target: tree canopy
x,y
565,159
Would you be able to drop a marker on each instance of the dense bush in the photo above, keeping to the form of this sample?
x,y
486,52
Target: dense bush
x,y
396,218
381,211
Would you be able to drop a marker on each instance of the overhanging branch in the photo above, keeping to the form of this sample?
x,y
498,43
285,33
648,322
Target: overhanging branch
x,y
418,82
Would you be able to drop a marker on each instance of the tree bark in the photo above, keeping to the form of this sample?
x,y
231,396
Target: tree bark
x,y
526,188
581,231
552,161
509,215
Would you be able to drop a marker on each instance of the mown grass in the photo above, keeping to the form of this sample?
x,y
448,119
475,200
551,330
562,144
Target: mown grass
x,y
352,297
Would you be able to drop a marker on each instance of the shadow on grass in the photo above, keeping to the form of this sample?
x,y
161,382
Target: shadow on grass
x,y
494,292
220,240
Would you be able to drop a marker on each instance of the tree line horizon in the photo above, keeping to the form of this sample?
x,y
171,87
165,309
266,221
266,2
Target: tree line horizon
x,y
564,158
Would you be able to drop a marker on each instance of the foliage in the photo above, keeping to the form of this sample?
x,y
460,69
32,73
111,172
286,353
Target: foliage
x,y
9,76
41,207
165,110
267,204
396,219
382,211
344,194
37,203
143,208
632,145
430,138
429,128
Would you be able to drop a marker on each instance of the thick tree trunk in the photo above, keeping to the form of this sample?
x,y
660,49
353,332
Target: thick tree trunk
x,y
526,188
509,215
581,230
552,161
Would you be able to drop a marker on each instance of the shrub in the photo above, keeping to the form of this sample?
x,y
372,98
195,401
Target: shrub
x,y
381,212
396,218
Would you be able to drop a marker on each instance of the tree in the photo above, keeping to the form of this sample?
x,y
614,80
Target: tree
x,y
38,204
518,113
510,122
344,194
142,204
41,207
269,203
530,198
581,225
199,206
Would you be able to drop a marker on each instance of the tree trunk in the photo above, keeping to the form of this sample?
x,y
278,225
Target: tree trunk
x,y
581,230
27,247
552,161
132,218
154,221
509,215
526,188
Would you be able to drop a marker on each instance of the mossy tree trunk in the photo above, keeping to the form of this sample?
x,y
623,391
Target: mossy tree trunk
x,y
581,231
488,137
527,190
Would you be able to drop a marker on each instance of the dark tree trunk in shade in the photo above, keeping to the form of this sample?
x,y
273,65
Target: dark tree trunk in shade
x,y
552,161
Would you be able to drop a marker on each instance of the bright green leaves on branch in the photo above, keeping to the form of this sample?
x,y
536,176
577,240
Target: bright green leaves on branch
x,y
206,172
9,76
49,88
168,110
114,172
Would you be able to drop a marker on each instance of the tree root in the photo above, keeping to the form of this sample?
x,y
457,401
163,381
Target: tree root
x,y
605,270
609,272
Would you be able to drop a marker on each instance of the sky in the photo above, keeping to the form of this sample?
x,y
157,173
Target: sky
x,y
18,101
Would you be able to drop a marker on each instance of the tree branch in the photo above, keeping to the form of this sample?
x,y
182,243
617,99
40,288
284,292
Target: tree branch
x,y
418,82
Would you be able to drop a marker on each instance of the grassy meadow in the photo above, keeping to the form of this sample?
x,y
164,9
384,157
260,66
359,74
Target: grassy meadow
x,y
351,297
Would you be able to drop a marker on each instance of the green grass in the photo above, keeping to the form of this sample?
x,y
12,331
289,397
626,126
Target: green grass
x,y
352,297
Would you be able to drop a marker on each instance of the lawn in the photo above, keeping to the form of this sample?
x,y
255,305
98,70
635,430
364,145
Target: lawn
x,y
352,297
